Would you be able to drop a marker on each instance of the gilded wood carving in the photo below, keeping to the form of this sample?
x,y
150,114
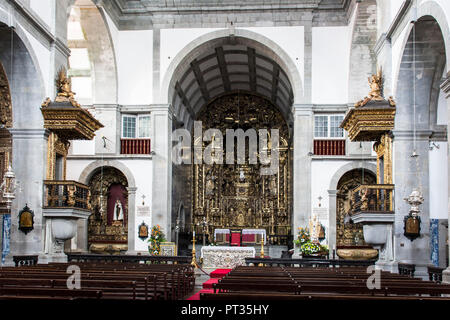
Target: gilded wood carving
x,y
99,229
237,196
348,233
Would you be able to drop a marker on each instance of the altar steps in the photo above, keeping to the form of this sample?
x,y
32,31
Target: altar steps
x,y
219,273
209,284
215,276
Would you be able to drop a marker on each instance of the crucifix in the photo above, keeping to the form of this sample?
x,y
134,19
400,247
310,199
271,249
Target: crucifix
x,y
320,199
143,199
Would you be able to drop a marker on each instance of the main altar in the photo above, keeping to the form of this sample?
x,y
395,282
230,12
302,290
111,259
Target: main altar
x,y
239,237
238,196
225,256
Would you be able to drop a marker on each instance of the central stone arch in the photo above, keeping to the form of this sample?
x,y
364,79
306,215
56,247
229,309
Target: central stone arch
x,y
218,64
269,48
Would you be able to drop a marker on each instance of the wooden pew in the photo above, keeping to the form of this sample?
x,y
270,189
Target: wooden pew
x,y
340,282
8,293
171,281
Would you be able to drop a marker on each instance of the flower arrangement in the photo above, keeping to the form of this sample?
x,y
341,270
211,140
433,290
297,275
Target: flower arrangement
x,y
156,237
310,248
302,237
307,247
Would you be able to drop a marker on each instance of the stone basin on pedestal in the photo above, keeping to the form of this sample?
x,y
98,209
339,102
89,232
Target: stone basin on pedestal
x,y
61,225
377,228
356,252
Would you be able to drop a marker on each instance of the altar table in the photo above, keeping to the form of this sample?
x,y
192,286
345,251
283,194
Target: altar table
x,y
225,257
249,236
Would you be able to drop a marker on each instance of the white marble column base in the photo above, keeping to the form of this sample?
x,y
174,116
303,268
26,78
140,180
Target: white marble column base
x,y
446,275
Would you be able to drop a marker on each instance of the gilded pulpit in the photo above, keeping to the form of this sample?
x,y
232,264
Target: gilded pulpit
x,y
371,205
65,202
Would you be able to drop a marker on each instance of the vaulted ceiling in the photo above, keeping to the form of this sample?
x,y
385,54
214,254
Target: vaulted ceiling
x,y
137,14
228,68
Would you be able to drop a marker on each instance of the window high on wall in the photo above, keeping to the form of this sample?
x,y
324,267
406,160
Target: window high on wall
x,y
135,126
135,134
329,139
327,126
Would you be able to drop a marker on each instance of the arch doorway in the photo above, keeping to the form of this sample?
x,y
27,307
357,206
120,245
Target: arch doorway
x,y
108,224
347,232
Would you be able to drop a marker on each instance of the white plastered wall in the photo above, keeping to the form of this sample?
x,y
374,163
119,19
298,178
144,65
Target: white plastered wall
x,y
330,65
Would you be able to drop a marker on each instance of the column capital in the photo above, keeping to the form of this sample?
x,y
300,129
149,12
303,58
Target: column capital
x,y
131,190
162,109
29,133
408,135
302,109
332,192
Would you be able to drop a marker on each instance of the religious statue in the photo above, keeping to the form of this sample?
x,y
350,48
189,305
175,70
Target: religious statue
x,y
240,220
209,188
273,185
314,227
375,94
230,216
118,211
375,82
64,86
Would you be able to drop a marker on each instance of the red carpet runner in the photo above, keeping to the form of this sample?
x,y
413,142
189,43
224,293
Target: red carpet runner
x,y
208,285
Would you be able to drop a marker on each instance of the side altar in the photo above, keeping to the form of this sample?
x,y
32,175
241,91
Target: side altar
x,y
225,257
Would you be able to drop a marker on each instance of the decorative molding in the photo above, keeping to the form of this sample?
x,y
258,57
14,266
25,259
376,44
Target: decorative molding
x,y
408,135
46,37
387,36
445,87
145,14
367,123
29,133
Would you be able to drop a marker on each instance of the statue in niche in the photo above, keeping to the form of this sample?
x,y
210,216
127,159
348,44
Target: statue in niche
x,y
240,219
250,217
118,211
210,185
273,185
230,217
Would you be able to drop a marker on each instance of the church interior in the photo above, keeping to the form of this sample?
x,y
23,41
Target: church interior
x,y
224,150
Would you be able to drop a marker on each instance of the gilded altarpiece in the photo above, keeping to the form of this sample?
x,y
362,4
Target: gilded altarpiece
x,y
107,229
5,122
237,195
383,148
348,233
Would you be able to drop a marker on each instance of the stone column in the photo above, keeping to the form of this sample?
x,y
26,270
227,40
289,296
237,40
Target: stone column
x,y
303,144
410,173
446,89
82,235
331,220
162,167
29,164
131,220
